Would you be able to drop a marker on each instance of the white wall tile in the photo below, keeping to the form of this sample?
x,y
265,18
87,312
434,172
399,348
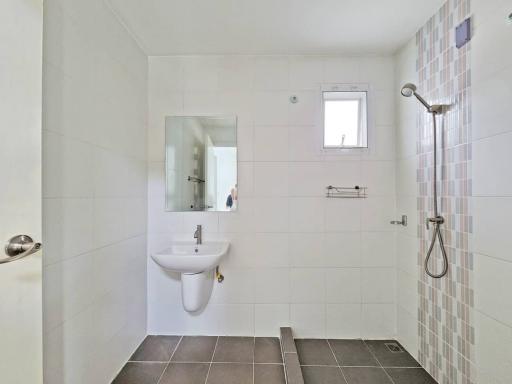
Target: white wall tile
x,y
378,249
342,249
306,110
378,321
305,73
306,179
67,167
490,219
271,214
236,72
341,70
67,228
270,143
308,320
342,215
271,73
490,161
343,285
200,73
491,280
270,179
377,212
271,108
306,249
306,214
268,318
272,285
378,285
307,285
343,321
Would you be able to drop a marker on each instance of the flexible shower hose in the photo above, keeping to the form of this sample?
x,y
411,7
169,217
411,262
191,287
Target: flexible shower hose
x,y
438,220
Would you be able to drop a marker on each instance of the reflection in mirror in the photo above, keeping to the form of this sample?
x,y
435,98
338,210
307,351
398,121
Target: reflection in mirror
x,y
201,163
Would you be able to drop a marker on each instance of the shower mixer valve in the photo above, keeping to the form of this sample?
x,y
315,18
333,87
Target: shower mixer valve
x,y
435,220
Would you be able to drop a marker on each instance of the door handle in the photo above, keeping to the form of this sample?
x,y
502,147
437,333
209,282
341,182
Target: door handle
x,y
19,247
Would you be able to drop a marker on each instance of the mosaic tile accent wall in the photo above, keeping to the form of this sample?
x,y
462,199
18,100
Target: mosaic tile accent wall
x,y
446,331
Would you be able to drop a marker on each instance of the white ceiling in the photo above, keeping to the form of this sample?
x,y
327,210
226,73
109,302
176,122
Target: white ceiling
x,y
171,27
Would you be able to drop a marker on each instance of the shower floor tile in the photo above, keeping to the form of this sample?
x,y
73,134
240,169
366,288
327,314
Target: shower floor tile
x,y
267,350
156,348
249,360
185,373
314,352
234,350
388,358
337,361
195,349
204,360
140,373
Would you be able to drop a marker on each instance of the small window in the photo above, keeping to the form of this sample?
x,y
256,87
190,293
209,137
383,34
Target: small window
x,y
345,117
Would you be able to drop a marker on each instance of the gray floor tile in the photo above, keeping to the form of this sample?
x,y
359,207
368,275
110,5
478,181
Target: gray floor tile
x,y
322,375
366,375
196,349
234,350
185,373
388,358
267,350
269,374
230,373
314,352
410,376
353,353
156,348
140,373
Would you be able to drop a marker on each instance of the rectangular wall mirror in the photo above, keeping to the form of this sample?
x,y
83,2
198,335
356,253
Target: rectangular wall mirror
x,y
201,163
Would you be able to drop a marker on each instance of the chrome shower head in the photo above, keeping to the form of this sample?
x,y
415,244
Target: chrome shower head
x,y
408,90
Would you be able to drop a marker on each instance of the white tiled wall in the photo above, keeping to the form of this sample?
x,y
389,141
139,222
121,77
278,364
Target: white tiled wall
x,y
406,192
326,267
94,193
492,189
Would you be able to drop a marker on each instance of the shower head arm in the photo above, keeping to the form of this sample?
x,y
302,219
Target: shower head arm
x,y
423,101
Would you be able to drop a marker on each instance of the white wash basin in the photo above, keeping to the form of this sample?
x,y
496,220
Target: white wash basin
x,y
188,257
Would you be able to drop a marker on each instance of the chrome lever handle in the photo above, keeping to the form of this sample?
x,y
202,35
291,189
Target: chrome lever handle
x,y
19,247
401,222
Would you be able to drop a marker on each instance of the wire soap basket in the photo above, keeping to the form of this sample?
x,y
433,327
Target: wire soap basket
x,y
356,192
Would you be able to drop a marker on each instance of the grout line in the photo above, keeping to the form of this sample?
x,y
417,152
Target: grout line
x,y
378,361
253,357
169,362
337,362
211,362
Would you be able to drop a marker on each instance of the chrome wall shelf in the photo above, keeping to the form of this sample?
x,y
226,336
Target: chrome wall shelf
x,y
356,192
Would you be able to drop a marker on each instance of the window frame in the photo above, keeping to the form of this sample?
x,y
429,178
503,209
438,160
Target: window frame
x,y
347,88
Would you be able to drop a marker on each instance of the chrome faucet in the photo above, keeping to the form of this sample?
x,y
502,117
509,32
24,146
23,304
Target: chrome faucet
x,y
198,234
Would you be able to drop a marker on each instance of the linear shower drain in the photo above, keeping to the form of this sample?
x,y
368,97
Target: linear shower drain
x,y
394,347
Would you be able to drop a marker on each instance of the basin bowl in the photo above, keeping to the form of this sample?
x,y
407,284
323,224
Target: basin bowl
x,y
196,263
188,257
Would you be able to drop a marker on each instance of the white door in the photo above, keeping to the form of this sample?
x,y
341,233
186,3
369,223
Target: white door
x,y
20,190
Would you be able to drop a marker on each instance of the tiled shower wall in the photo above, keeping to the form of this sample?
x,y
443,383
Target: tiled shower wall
x,y
326,267
445,337
446,329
